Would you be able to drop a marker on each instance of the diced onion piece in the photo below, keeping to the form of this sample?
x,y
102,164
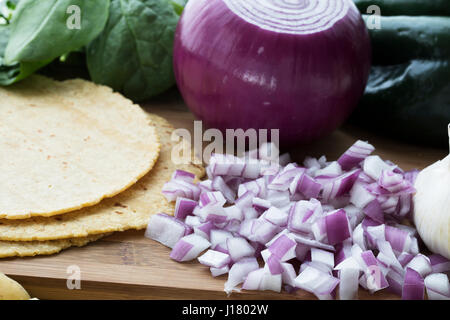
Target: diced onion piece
x,y
334,227
395,183
374,211
193,221
325,257
215,272
303,214
219,236
339,186
219,184
439,264
349,263
204,229
253,280
166,229
316,281
355,154
438,286
387,256
413,286
183,175
331,170
311,242
260,205
289,274
373,167
214,259
421,264
276,216
271,282
360,196
184,207
283,248
189,248
239,272
239,248
373,275
348,283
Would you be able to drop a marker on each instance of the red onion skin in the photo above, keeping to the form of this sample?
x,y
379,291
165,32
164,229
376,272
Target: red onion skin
x,y
312,81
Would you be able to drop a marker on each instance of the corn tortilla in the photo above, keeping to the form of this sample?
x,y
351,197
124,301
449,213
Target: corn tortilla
x,y
67,145
34,248
130,209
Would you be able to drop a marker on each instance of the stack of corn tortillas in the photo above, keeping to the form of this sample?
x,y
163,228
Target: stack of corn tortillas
x,y
78,162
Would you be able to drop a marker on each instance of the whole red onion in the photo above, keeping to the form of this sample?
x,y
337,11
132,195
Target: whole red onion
x,y
295,65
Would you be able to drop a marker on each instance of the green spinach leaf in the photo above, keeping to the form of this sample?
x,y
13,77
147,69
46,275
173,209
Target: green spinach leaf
x,y
10,73
178,5
133,54
46,29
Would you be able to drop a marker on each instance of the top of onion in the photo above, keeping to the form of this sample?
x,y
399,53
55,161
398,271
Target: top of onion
x,y
291,16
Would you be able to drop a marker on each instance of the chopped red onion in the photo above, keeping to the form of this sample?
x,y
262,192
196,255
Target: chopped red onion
x,y
438,286
283,248
306,185
316,281
214,259
219,184
348,283
360,196
413,286
253,280
355,154
333,217
215,272
183,175
219,236
192,221
239,248
276,216
420,264
373,166
395,183
204,229
339,186
273,264
189,247
439,263
271,282
303,214
288,274
387,256
239,272
331,170
374,211
166,229
322,256
374,278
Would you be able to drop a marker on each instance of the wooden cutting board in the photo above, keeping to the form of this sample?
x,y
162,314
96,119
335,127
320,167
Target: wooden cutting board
x,y
128,266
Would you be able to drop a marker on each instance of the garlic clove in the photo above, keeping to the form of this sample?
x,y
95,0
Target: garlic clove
x,y
432,206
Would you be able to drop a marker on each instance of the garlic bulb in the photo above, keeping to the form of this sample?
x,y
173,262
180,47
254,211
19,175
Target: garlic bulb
x,y
432,206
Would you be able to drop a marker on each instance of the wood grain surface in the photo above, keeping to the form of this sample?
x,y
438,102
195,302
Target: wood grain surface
x,y
128,266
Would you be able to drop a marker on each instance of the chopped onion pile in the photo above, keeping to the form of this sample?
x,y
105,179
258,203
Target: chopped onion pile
x,y
324,227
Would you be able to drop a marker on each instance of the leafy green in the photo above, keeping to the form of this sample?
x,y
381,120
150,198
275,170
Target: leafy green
x,y
40,29
10,73
178,5
133,54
